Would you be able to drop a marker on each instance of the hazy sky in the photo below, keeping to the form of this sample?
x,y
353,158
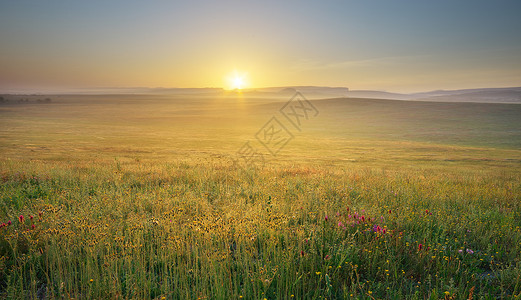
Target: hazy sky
x,y
387,45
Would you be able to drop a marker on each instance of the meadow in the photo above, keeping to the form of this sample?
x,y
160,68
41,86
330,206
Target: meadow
x,y
139,197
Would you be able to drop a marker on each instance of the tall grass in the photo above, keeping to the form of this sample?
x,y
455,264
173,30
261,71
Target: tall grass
x,y
189,230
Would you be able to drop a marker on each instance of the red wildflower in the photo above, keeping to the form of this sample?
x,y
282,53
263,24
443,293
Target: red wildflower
x,y
32,226
21,219
420,246
301,253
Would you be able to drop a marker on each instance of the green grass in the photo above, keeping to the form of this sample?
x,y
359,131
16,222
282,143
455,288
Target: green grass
x,y
135,199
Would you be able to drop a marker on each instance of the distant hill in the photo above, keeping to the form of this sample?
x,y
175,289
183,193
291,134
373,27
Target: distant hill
x,y
308,91
485,95
482,95
378,95
493,95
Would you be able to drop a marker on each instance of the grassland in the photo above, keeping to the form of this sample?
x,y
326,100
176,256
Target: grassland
x,y
135,196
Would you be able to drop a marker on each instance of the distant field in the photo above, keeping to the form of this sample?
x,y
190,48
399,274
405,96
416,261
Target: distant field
x,y
137,196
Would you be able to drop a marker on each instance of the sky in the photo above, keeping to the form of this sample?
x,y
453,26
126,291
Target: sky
x,y
396,46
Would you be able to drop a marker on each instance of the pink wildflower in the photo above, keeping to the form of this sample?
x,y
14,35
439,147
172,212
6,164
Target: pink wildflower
x,y
341,225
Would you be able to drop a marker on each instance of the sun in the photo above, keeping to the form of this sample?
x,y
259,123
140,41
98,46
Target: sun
x,y
237,83
237,80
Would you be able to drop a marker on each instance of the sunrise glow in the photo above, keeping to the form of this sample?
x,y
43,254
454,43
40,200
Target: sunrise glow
x,y
237,80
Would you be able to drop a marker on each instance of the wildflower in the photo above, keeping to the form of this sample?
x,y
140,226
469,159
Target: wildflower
x,y
31,217
362,218
340,224
389,211
9,223
318,273
348,209
338,214
420,247
327,218
32,226
327,257
469,251
460,251
21,219
301,253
